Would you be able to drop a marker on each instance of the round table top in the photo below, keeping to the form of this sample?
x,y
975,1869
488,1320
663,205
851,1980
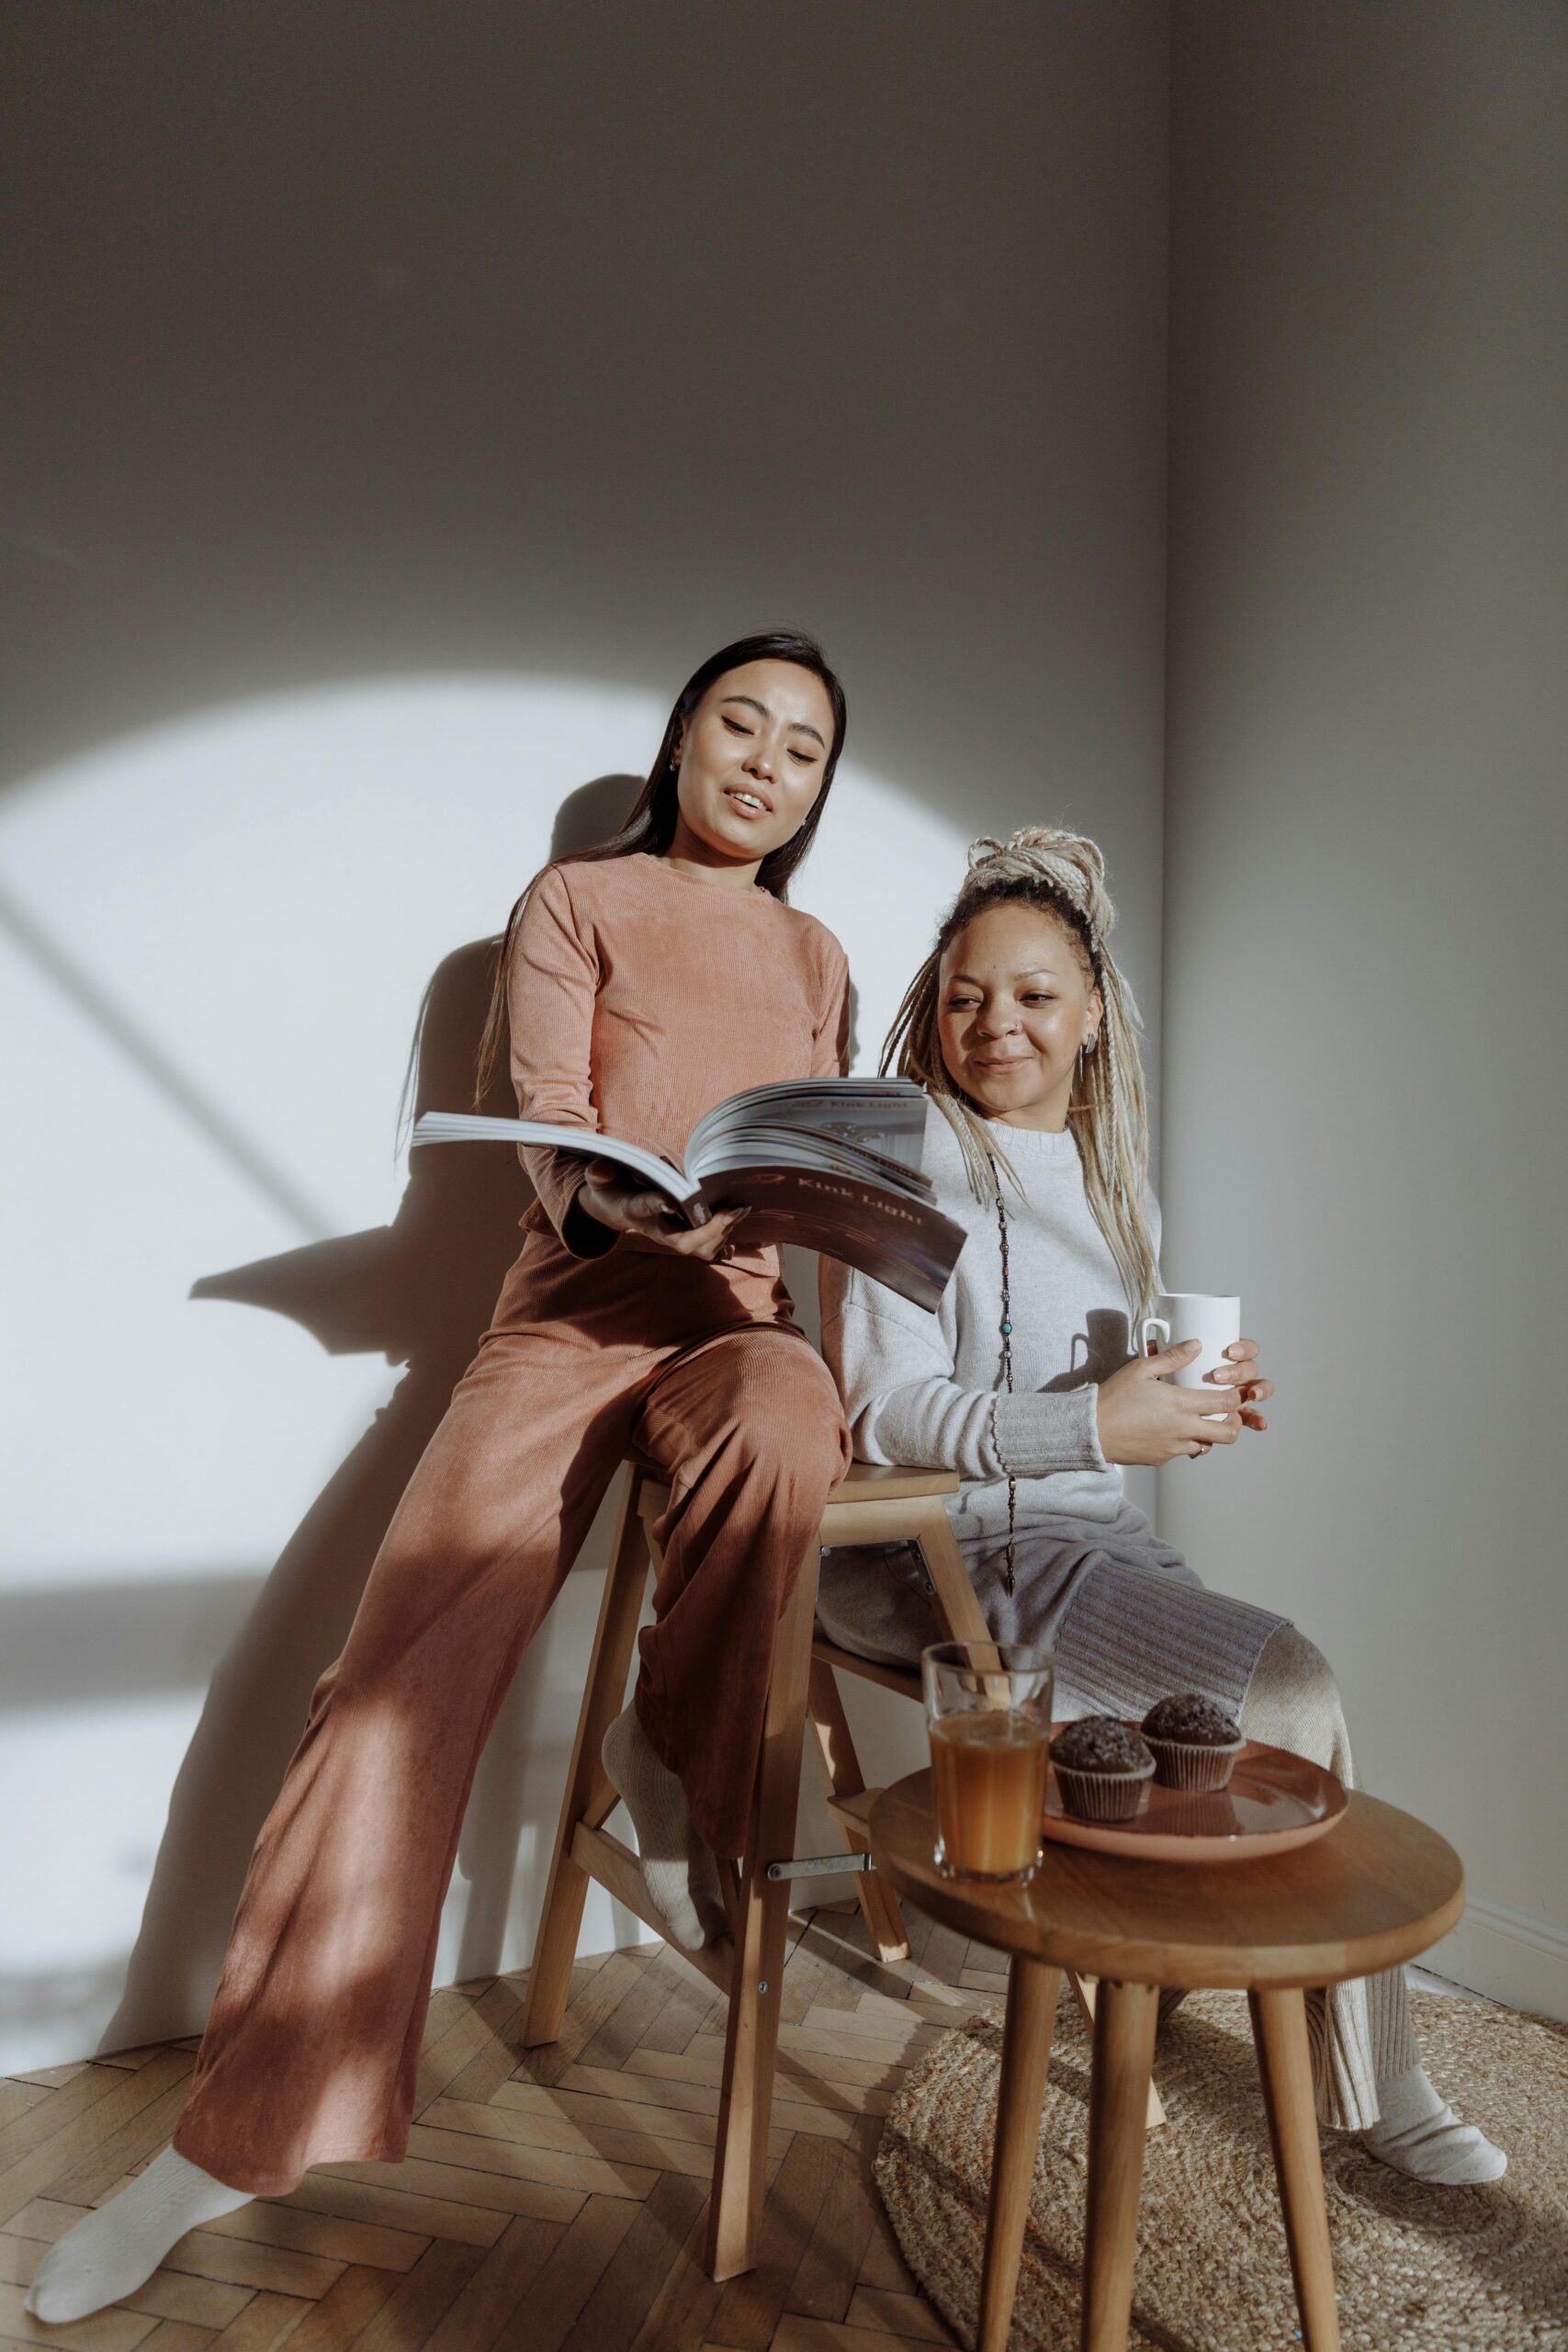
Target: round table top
x,y
1379,1888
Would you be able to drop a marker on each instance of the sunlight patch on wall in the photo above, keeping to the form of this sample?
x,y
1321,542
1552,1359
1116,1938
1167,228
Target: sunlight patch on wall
x,y
221,931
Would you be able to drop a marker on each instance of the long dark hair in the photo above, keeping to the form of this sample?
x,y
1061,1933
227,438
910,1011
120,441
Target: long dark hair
x,y
651,824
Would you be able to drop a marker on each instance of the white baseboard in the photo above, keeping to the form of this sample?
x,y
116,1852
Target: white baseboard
x,y
1506,1955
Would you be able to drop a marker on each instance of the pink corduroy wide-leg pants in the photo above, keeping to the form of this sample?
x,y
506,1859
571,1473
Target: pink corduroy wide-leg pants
x,y
311,2048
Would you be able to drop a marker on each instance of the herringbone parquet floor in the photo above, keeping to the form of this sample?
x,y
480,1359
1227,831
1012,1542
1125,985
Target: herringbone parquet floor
x,y
551,2200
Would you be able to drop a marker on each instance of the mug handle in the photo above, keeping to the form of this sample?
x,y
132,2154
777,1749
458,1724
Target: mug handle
x,y
1156,1323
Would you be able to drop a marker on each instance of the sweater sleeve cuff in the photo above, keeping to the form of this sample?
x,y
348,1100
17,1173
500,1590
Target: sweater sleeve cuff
x,y
1039,1434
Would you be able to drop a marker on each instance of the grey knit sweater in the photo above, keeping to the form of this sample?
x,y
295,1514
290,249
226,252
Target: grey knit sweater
x,y
922,1387
1122,1611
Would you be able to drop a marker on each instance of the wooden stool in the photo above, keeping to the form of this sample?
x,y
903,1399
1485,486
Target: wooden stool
x,y
871,1506
1377,1890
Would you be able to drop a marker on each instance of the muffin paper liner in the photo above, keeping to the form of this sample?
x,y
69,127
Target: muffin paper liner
x,y
1102,1796
1183,1764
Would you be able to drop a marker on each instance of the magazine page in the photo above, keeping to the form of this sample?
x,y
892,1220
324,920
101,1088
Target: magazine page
x,y
801,1147
470,1126
886,1115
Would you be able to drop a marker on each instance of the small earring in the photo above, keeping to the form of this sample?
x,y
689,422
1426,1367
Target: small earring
x,y
1089,1043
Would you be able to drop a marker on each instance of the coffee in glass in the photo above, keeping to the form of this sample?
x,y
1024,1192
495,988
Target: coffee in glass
x,y
988,1712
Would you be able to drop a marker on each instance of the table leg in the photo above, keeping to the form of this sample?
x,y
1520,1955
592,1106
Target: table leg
x,y
1083,1991
1284,2062
1125,2018
1033,1990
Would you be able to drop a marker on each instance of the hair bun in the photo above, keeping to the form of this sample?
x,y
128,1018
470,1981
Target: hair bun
x,y
1071,861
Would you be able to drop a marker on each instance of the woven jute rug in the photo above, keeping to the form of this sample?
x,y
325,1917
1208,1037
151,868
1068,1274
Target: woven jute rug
x,y
1418,2270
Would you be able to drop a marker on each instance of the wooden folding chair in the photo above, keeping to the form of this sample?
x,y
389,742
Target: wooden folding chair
x,y
871,1505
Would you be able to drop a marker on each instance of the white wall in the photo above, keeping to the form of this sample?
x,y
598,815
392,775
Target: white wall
x,y
402,423
1364,1129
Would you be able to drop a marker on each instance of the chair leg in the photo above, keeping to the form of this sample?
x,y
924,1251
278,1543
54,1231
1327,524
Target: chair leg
x,y
751,2035
588,1797
1284,2062
1123,2045
879,1905
957,1603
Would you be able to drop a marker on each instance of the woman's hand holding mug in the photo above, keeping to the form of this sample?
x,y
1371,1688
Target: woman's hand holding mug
x,y
1225,1360
612,1197
1163,1405
1240,1372
1144,1417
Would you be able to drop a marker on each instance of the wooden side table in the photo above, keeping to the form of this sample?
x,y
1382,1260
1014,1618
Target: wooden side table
x,y
1380,1888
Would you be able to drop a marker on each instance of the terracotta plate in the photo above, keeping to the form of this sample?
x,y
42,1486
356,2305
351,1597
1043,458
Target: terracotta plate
x,y
1274,1801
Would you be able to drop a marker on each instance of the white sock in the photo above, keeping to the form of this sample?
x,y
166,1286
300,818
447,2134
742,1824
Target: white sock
x,y
680,1873
111,2251
1418,2132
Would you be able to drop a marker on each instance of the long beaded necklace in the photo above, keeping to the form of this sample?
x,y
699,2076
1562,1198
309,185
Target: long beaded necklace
x,y
1007,1376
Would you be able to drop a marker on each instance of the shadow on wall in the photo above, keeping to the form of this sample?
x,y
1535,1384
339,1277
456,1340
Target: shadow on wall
x,y
1106,1343
419,1290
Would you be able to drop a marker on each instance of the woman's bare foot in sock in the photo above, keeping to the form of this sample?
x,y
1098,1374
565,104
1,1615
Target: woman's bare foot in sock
x,y
1418,2132
110,2252
678,1872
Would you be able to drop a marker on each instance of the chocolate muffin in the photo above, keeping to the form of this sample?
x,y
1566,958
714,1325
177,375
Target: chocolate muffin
x,y
1102,1768
1195,1742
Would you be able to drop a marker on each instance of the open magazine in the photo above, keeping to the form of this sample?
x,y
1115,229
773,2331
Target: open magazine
x,y
830,1163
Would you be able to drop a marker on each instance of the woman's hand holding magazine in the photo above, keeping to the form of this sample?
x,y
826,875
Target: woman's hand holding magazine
x,y
612,1197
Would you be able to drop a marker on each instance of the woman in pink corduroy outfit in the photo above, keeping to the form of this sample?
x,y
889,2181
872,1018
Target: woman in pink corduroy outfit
x,y
641,983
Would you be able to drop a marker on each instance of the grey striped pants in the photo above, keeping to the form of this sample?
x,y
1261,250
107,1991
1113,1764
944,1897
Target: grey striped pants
x,y
1361,2031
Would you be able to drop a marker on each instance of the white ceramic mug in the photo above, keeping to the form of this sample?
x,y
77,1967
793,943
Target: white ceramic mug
x,y
1194,1315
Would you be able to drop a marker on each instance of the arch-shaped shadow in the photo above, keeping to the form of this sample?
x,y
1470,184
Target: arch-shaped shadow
x,y
419,1290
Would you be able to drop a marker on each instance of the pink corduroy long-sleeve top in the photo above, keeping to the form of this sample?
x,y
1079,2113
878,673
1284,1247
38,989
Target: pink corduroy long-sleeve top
x,y
640,996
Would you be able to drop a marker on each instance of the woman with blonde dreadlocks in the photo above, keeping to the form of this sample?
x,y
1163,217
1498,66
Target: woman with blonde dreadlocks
x,y
1026,1381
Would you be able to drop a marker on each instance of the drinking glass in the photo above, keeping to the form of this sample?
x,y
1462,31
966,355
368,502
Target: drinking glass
x,y
988,1712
